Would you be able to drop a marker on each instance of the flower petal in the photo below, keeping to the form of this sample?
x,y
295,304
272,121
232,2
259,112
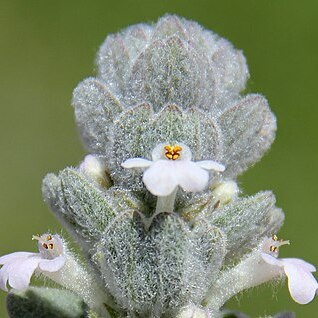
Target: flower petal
x,y
158,152
300,263
271,260
4,276
190,176
52,265
302,284
20,271
160,179
13,256
13,266
211,165
136,163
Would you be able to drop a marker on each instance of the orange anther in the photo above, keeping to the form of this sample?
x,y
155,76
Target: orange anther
x,y
172,152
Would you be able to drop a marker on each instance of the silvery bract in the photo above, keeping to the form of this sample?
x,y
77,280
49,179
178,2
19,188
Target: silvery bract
x,y
155,206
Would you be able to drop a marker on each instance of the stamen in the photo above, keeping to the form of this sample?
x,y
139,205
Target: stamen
x,y
44,241
274,248
36,237
172,152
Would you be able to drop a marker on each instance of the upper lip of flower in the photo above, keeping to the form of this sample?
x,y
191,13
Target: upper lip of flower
x,y
171,166
302,284
18,267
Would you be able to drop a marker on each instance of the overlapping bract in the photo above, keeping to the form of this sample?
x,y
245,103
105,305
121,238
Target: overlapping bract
x,y
172,82
138,265
174,262
173,61
237,138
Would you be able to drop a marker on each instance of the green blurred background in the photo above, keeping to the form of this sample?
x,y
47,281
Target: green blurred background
x,y
47,47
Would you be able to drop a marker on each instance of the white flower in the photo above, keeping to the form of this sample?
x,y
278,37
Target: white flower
x,y
302,284
18,267
171,166
261,266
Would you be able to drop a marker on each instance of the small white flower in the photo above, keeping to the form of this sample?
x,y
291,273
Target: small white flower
x,y
18,267
171,166
302,284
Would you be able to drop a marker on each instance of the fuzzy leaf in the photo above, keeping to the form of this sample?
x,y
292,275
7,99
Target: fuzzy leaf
x,y
113,58
45,302
168,71
136,38
248,129
127,143
231,72
95,110
245,221
117,257
276,219
171,240
208,249
52,193
207,137
168,26
173,61
161,269
83,207
117,53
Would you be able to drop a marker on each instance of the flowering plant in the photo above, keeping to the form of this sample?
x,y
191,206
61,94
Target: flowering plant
x,y
155,208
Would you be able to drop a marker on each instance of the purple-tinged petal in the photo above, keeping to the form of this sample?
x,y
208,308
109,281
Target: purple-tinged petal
x,y
4,276
160,179
52,265
302,284
297,262
190,177
20,272
13,256
136,163
15,269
